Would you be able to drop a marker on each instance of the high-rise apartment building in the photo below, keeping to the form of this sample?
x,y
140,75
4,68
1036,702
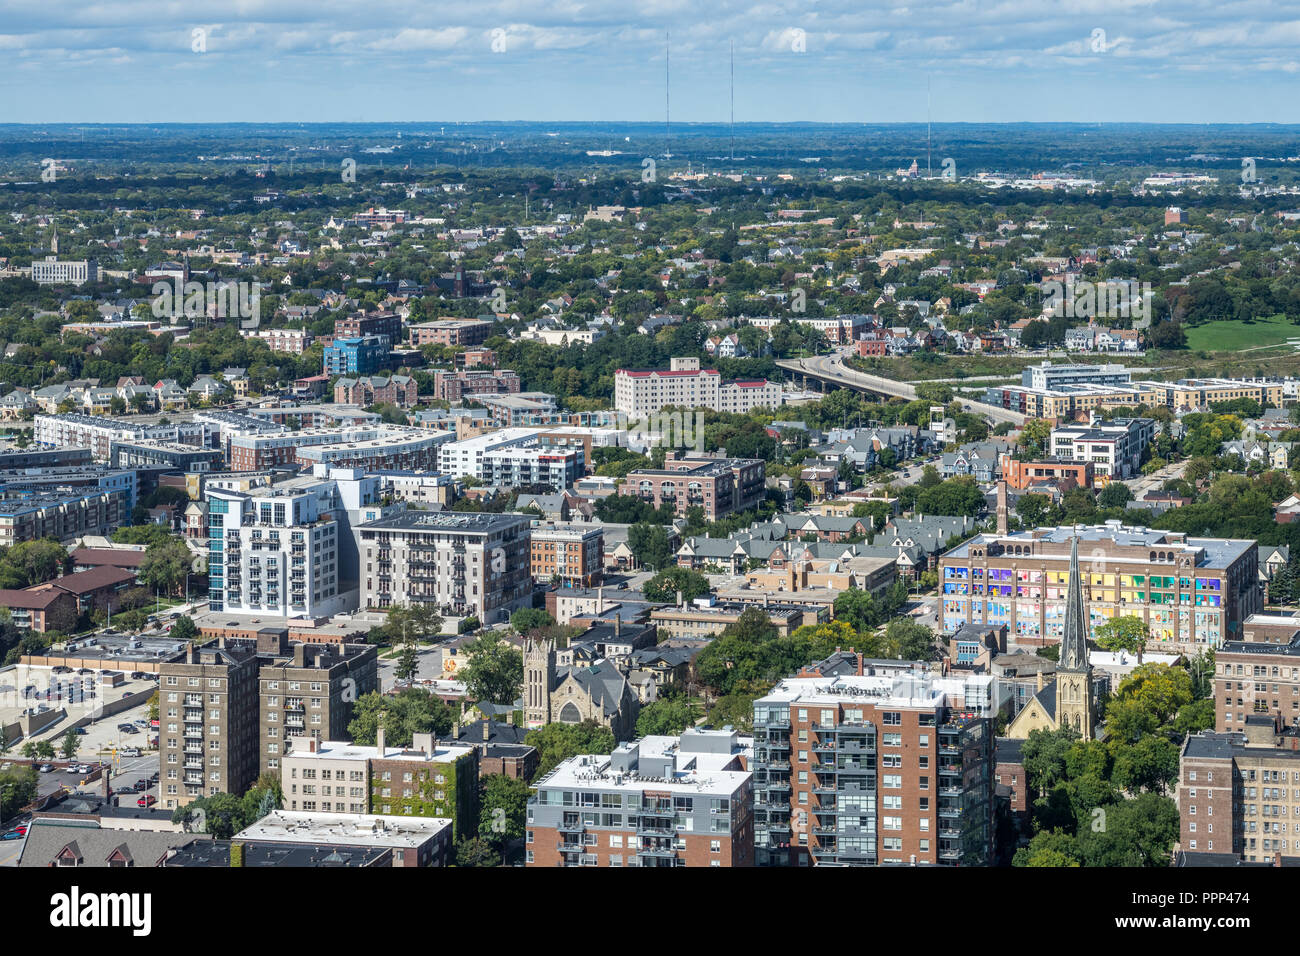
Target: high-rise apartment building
x,y
658,801
462,564
207,720
231,709
1239,795
307,691
287,549
873,769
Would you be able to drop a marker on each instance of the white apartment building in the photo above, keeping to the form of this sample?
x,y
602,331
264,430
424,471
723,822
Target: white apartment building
x,y
462,564
1115,448
52,271
513,458
98,432
639,393
288,549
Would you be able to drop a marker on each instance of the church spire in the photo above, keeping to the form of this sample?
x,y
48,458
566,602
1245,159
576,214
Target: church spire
x,y
1074,644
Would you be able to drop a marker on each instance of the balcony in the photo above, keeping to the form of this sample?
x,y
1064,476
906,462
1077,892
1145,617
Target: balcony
x,y
571,826
649,829
658,852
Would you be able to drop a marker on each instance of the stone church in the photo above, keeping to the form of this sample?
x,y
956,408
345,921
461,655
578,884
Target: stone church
x,y
570,695
1069,700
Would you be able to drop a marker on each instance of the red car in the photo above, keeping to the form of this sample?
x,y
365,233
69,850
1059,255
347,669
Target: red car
x,y
148,800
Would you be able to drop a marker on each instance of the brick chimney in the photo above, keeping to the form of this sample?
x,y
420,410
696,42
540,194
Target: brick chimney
x,y
1002,507
379,739
487,730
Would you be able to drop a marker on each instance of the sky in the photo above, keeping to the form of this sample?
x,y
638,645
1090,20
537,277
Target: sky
x,y
150,61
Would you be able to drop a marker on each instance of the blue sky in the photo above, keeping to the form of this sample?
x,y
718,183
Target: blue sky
x,y
820,60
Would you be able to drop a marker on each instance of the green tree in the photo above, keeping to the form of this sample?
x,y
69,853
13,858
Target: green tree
x,y
667,584
221,815
530,619
649,545
556,743
907,640
412,710
408,663
494,670
1149,764
1137,832
666,717
184,629
166,565
18,788
503,808
1127,633
1050,848
68,745
477,852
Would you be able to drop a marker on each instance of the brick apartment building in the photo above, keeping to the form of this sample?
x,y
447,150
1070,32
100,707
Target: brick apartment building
x,y
874,769
658,801
373,389
575,555
387,325
425,779
1023,474
1193,593
207,718
467,332
1237,796
462,564
452,386
1259,675
307,691
231,709
476,358
721,486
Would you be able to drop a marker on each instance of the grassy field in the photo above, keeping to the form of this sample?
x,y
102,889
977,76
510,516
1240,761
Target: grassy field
x,y
1236,336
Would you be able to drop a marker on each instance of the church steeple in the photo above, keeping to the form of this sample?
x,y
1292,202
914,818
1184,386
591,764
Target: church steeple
x,y
1073,673
1074,644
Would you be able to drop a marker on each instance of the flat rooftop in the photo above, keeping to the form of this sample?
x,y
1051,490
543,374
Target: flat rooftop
x,y
342,750
472,521
344,829
918,689
1216,552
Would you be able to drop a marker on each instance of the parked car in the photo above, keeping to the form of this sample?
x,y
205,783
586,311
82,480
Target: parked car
x,y
72,768
148,800
144,783
11,835
46,768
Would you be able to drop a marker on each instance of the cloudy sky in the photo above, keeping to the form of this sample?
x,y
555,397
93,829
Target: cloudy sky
x,y
819,60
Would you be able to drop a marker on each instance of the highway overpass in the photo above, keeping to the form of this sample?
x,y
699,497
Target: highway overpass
x,y
830,370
